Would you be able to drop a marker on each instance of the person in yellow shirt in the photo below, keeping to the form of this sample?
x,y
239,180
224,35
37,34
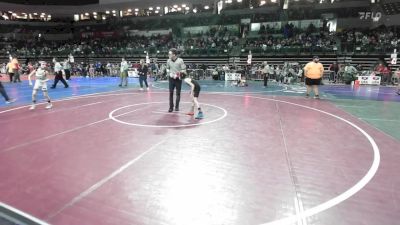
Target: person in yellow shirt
x,y
16,66
313,72
10,70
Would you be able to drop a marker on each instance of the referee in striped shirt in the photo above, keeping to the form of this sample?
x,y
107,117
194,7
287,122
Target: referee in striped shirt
x,y
58,72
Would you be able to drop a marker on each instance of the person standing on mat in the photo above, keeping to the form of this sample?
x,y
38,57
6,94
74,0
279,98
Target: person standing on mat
x,y
58,72
41,79
175,67
313,72
143,70
67,69
194,93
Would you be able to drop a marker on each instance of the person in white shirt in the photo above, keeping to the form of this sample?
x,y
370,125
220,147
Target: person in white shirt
x,y
175,67
271,72
109,69
40,82
278,73
67,69
265,71
124,73
71,59
225,71
58,72
3,69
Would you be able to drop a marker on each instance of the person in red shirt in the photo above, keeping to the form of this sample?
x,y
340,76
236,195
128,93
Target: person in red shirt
x,y
379,68
384,72
30,67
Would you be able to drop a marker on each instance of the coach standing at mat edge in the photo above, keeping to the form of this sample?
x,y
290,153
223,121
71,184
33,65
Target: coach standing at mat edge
x,y
175,67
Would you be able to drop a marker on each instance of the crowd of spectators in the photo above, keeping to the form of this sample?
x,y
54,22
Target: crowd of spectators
x,y
380,39
309,40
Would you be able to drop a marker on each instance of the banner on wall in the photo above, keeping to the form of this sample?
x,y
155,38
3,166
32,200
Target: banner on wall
x,y
249,58
393,56
271,25
274,25
303,24
371,80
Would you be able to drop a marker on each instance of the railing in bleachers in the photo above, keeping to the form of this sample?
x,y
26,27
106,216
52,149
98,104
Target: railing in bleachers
x,y
366,61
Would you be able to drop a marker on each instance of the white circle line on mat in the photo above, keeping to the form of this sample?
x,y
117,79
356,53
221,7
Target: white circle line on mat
x,y
345,195
111,116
